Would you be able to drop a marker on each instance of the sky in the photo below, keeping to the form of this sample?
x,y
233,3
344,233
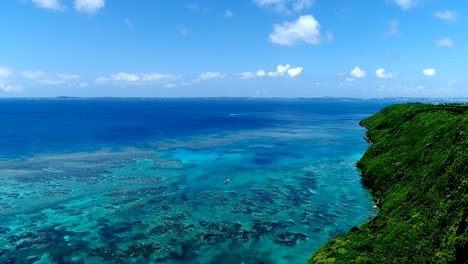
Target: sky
x,y
234,48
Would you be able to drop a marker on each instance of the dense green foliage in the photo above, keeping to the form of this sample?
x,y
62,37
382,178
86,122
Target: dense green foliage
x,y
417,168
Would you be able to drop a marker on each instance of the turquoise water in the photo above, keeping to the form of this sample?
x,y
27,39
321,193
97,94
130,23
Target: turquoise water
x,y
157,194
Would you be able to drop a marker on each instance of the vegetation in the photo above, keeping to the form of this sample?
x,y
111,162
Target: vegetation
x,y
417,169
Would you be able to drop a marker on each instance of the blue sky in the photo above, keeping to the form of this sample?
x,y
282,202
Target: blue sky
x,y
253,48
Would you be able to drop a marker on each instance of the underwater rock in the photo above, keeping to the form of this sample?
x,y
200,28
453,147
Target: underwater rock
x,y
155,190
4,230
262,228
141,250
159,230
109,253
178,217
110,232
288,238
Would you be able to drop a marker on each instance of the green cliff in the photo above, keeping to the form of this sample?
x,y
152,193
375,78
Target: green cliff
x,y
417,168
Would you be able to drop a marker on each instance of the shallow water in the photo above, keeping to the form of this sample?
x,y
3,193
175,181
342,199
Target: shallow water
x,y
142,181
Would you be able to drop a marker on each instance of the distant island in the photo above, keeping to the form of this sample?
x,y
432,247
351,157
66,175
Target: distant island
x,y
417,169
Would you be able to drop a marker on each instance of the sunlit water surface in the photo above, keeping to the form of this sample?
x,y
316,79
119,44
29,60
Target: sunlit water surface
x,y
142,180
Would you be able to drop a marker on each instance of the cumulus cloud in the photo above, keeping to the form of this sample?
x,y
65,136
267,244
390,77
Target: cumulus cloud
x,y
250,75
294,72
89,6
123,76
286,70
286,6
446,15
49,4
406,4
247,75
281,71
10,88
357,73
305,29
429,72
382,74
5,72
445,43
261,73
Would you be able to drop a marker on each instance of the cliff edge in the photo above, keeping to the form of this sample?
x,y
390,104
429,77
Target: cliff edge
x,y
417,169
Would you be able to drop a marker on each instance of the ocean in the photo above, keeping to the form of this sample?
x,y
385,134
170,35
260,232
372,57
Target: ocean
x,y
179,180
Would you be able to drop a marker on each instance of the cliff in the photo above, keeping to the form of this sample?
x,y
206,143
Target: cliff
x,y
417,169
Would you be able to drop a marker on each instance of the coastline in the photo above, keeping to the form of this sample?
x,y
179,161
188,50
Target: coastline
x,y
412,168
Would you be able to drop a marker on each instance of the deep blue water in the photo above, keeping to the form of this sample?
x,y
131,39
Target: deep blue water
x,y
142,180
44,125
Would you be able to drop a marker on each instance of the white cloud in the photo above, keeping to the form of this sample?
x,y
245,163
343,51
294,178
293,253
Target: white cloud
x,y
10,88
247,75
294,72
380,73
250,75
446,15
124,77
392,30
357,73
211,75
350,79
89,6
305,29
169,85
282,70
286,6
157,77
49,4
406,4
5,72
229,13
429,72
445,43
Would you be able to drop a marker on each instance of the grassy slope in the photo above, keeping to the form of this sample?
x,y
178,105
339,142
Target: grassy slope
x,y
417,169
